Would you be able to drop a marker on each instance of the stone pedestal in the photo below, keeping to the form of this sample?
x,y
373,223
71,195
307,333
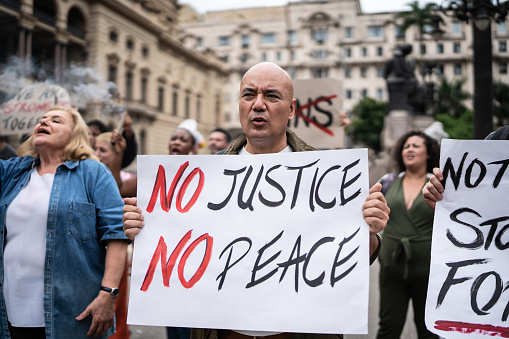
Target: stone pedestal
x,y
397,123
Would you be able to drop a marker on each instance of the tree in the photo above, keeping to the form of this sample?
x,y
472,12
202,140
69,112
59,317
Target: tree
x,y
461,127
501,103
450,97
368,122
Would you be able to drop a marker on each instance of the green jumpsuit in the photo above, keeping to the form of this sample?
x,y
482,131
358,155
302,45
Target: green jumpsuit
x,y
404,263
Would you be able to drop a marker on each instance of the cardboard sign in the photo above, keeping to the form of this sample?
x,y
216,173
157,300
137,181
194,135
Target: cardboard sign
x,y
20,114
318,112
468,294
272,242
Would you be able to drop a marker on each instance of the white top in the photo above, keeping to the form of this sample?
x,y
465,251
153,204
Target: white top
x,y
24,253
243,151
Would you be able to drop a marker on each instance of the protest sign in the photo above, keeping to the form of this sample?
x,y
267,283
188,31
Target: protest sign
x,y
318,112
20,114
468,295
273,242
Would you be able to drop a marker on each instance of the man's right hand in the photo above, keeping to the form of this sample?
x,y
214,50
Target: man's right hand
x,y
133,219
433,190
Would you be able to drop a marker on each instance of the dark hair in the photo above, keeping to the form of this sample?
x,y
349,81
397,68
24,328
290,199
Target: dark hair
x,y
432,148
225,132
500,134
99,124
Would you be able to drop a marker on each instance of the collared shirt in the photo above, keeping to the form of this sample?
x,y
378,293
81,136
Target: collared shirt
x,y
85,211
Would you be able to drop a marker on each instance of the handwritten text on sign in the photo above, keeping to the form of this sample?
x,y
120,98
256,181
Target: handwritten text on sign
x,y
268,242
468,294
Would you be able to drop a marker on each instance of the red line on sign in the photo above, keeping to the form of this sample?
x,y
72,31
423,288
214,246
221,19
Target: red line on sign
x,y
298,112
457,326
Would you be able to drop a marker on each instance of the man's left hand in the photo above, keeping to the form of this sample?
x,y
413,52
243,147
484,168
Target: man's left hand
x,y
102,309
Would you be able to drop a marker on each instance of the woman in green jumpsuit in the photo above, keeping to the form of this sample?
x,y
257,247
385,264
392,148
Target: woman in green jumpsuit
x,y
406,250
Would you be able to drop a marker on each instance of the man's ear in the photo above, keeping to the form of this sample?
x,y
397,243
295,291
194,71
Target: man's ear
x,y
292,109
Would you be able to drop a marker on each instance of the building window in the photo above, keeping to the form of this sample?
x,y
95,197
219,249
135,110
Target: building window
x,y
293,55
457,69
501,27
364,93
264,56
456,27
187,105
245,40
268,38
278,56
112,73
439,69
364,72
423,49
160,98
440,48
457,47
399,32
379,51
375,31
145,51
319,54
199,42
319,72
380,72
348,94
129,86
348,72
224,41
502,68
502,46
198,107
349,32
129,44
292,36
174,100
379,94
244,57
320,35
113,36
348,52
364,51
143,90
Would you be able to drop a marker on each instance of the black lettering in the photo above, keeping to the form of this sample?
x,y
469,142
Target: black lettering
x,y
492,231
311,190
249,203
479,240
450,280
319,280
501,171
324,112
299,177
468,173
344,185
227,266
258,266
216,207
277,186
475,289
325,205
498,239
294,259
455,176
333,278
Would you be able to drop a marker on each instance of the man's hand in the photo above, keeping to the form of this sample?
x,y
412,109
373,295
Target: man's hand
x,y
433,190
376,214
133,219
102,309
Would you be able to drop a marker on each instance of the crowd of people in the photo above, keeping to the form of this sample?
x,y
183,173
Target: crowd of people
x,y
65,265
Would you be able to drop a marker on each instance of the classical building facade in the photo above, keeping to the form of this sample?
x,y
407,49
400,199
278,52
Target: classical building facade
x,y
132,43
336,39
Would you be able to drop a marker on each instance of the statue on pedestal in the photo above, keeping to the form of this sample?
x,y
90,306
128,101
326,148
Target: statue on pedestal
x,y
405,92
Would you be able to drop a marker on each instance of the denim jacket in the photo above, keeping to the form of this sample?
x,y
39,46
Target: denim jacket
x,y
84,212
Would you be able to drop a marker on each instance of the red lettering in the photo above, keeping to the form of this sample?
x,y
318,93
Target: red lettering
x,y
160,187
203,266
183,189
160,253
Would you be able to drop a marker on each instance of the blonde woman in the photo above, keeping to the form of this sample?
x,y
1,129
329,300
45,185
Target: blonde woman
x,y
62,239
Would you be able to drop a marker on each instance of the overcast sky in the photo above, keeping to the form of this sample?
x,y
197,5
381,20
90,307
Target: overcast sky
x,y
368,6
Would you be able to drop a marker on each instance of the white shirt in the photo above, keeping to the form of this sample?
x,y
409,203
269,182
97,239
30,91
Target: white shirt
x,y
25,250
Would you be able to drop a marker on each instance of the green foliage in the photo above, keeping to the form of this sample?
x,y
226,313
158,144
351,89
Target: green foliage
x,y
450,97
501,103
461,127
368,122
419,17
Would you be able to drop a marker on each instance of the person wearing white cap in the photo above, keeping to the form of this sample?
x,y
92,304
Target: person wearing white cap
x,y
186,139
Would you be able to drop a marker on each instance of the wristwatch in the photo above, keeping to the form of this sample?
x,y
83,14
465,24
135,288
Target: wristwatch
x,y
113,291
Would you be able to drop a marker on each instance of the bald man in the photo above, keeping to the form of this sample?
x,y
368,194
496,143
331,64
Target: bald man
x,y
266,104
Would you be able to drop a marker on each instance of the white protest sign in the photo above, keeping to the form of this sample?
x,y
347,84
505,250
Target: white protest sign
x,y
468,295
318,112
272,242
20,114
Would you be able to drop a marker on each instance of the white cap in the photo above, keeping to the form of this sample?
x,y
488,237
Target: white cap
x,y
191,126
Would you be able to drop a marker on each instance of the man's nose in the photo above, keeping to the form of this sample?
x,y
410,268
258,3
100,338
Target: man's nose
x,y
259,104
